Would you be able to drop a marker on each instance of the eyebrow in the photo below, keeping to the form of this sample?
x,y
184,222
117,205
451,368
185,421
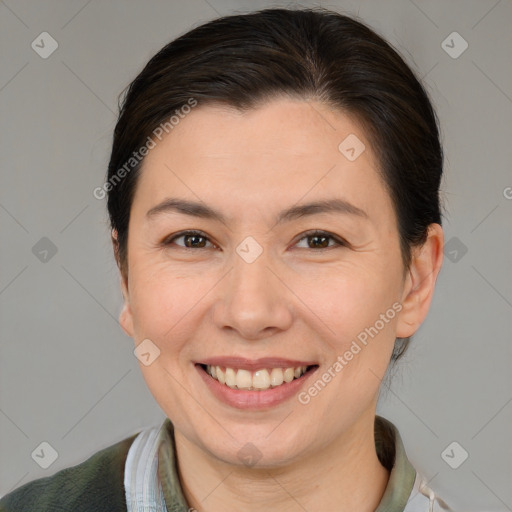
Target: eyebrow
x,y
195,209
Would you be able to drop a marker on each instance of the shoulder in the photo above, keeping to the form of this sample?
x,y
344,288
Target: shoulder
x,y
97,484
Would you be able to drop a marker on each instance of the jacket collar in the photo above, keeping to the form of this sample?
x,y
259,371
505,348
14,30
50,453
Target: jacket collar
x,y
388,443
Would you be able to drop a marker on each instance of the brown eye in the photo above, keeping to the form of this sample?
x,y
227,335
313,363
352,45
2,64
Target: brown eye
x,y
320,240
191,240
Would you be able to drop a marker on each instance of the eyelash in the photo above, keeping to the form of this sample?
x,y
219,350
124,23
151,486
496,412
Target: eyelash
x,y
314,232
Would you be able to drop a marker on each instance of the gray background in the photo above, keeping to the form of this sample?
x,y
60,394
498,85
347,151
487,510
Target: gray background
x,y
68,375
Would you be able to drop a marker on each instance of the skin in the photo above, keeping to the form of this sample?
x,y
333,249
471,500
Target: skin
x,y
295,300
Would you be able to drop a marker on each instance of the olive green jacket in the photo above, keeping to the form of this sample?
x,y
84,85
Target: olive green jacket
x,y
95,485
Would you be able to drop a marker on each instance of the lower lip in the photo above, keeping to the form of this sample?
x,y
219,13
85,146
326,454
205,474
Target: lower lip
x,y
243,399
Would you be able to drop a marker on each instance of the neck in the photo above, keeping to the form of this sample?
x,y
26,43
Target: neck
x,y
343,475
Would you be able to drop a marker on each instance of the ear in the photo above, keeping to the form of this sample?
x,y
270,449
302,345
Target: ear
x,y
125,317
420,282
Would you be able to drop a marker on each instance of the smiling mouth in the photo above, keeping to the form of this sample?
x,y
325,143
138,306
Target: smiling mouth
x,y
259,380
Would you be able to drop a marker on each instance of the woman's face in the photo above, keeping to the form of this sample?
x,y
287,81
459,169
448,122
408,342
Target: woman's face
x,y
252,291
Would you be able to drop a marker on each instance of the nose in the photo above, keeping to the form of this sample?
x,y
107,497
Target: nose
x,y
253,300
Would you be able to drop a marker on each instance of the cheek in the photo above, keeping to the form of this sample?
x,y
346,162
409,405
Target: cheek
x,y
348,300
162,303
358,311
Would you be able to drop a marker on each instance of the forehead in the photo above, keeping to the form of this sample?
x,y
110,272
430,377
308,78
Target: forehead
x,y
282,127
279,153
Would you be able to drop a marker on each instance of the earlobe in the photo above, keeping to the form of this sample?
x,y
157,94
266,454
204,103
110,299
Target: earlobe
x,y
420,282
126,319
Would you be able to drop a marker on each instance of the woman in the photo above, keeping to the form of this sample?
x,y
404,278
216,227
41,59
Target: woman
x,y
273,191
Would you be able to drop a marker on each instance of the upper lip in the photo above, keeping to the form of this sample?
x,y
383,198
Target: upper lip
x,y
242,363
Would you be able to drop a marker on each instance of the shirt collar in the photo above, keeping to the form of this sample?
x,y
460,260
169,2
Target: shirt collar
x,y
390,451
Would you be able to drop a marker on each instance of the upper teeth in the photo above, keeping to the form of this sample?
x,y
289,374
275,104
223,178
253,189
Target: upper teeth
x,y
258,380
